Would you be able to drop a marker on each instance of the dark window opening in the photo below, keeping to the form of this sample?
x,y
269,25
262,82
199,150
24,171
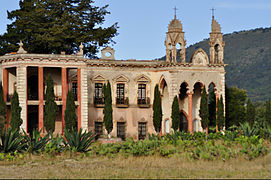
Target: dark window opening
x,y
98,129
98,99
121,130
120,94
183,123
141,94
74,90
142,131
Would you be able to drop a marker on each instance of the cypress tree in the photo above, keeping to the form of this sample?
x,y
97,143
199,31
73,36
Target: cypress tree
x,y
250,113
268,112
212,108
157,110
16,120
220,119
107,111
3,110
70,115
50,108
175,114
204,112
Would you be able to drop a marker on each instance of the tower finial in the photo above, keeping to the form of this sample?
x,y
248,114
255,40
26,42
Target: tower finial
x,y
213,12
21,49
175,9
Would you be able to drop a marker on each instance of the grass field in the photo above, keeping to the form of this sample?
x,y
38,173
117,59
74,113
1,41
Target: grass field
x,y
78,166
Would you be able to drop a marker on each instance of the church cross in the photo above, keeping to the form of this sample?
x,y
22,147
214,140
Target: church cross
x,y
213,12
175,9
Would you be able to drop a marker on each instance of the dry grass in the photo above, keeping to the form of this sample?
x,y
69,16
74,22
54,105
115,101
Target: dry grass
x,y
133,167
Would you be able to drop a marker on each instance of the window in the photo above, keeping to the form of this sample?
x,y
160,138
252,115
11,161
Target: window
x,y
74,90
142,131
120,93
141,94
121,130
98,129
98,96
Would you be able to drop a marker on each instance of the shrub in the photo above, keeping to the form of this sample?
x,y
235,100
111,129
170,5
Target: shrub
x,y
35,143
78,141
12,141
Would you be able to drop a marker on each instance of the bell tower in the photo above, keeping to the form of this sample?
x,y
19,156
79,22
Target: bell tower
x,y
175,36
216,43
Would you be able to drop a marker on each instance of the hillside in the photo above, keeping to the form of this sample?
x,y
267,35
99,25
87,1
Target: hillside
x,y
248,55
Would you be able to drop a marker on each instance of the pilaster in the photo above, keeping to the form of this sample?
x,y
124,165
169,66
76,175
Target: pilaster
x,y
64,95
79,97
41,98
190,123
84,100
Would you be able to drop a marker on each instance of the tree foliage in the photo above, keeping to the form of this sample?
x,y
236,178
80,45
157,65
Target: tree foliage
x,y
157,110
212,108
50,108
235,106
268,112
108,111
50,26
70,115
175,114
204,112
220,118
250,115
16,120
3,110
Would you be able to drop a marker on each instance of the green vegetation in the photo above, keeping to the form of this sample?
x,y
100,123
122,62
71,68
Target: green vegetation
x,y
79,141
3,111
16,119
12,141
220,119
250,116
70,115
50,26
157,110
175,114
35,143
108,111
204,112
50,108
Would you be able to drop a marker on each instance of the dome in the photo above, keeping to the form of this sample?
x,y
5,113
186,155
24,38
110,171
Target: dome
x,y
175,24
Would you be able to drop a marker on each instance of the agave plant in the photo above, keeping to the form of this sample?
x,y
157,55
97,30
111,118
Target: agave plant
x,y
79,141
35,143
12,141
247,130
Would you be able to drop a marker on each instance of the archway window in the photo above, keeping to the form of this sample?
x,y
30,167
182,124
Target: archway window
x,y
216,53
183,91
141,94
183,123
120,93
142,130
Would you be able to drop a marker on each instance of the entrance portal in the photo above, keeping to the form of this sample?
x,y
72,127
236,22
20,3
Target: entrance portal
x,y
183,123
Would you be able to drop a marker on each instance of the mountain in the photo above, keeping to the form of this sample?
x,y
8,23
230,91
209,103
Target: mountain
x,y
248,55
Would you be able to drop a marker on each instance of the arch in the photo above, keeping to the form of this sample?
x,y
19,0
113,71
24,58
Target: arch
x,y
162,81
199,57
121,78
198,84
183,90
210,85
217,49
142,78
183,121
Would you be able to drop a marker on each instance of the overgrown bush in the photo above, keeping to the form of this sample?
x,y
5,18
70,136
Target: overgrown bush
x,y
35,143
78,141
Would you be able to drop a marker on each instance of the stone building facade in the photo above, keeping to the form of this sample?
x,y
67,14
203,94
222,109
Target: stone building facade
x,y
132,84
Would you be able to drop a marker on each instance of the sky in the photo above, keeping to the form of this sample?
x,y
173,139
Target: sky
x,y
143,23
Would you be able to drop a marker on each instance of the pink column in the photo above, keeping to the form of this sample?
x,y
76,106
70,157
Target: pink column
x,y
64,95
79,97
41,98
190,124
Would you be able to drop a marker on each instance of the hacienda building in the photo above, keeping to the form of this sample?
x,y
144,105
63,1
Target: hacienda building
x,y
132,84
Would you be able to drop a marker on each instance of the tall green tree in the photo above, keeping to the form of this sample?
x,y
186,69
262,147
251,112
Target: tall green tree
x,y
250,115
16,120
220,118
108,111
52,26
70,115
3,110
204,112
175,114
212,108
157,110
50,108
235,106
268,112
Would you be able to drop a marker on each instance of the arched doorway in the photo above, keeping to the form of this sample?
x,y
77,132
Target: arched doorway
x,y
183,123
